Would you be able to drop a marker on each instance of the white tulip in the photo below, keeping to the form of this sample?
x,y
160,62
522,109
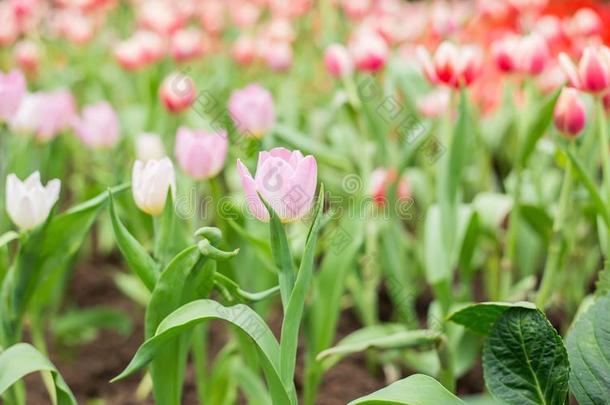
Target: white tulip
x,y
149,146
150,183
28,203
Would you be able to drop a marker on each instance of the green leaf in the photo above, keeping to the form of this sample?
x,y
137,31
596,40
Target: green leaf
x,y
417,389
524,360
281,254
81,326
296,305
135,255
538,219
22,359
542,117
383,337
588,342
590,185
170,239
8,237
243,317
482,316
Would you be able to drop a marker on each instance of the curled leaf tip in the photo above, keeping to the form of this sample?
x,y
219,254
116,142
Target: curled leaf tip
x,y
206,249
212,234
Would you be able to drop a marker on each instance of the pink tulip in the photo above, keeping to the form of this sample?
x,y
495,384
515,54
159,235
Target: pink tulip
x,y
550,28
12,91
381,180
285,179
177,92
9,29
528,6
143,48
212,16
368,50
75,26
570,113
187,44
201,154
98,126
27,55
584,23
435,103
533,54
277,55
504,52
244,50
451,65
160,16
338,60
245,14
44,115
252,110
593,74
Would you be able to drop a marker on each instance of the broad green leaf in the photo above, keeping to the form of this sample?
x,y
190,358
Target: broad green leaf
x,y
588,342
383,337
294,309
22,359
170,239
524,360
540,120
243,317
417,389
481,317
281,254
135,255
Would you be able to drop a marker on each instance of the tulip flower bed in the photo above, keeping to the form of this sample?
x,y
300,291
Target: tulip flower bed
x,y
304,202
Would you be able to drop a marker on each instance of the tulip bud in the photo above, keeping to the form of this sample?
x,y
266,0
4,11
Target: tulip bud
x,y
570,114
177,92
338,61
368,50
201,154
285,179
380,181
252,110
98,126
12,91
149,146
28,203
150,183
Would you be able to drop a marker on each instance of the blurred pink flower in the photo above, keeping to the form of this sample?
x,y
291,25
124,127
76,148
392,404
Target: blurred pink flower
x,y
244,13
187,44
44,114
74,26
570,113
161,16
451,65
12,91
338,60
593,73
504,53
201,154
27,55
9,29
533,54
278,55
584,23
212,16
244,50
381,180
98,126
177,92
286,180
252,110
142,48
435,103
368,50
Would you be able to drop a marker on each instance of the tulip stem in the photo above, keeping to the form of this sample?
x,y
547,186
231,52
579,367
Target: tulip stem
x,y
603,144
554,256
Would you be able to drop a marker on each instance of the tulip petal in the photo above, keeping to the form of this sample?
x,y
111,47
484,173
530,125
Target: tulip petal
x,y
255,205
